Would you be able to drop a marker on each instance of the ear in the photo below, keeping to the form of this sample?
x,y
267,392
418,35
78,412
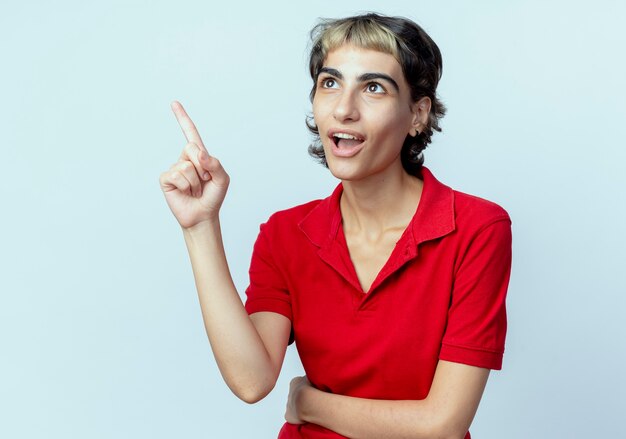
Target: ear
x,y
421,114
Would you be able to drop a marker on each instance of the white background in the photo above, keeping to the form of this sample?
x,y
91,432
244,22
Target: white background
x,y
101,334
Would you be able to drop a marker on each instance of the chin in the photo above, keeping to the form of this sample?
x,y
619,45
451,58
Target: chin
x,y
345,172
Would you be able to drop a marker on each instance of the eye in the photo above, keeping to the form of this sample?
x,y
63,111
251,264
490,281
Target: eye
x,y
328,83
375,87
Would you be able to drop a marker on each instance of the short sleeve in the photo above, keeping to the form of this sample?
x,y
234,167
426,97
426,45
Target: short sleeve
x,y
477,322
267,290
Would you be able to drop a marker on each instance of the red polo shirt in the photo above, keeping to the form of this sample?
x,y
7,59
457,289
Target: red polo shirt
x,y
441,295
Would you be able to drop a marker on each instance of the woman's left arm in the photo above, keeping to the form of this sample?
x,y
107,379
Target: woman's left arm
x,y
447,412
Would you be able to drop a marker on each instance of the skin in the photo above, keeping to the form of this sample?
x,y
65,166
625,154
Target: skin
x,y
372,220
378,201
447,412
249,350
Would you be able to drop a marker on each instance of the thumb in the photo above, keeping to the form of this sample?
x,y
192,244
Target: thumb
x,y
215,169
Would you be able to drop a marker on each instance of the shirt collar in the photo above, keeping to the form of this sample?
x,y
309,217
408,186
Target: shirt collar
x,y
433,218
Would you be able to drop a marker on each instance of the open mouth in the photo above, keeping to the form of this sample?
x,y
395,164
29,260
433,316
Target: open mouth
x,y
345,145
342,142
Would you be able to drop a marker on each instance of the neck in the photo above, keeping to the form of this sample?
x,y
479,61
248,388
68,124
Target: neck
x,y
379,203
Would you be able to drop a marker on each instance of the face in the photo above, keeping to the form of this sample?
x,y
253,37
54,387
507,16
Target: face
x,y
363,110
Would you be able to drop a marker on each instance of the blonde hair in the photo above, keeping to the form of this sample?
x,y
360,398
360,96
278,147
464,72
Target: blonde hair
x,y
366,34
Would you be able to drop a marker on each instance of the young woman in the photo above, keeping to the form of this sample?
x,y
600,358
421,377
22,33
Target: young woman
x,y
393,287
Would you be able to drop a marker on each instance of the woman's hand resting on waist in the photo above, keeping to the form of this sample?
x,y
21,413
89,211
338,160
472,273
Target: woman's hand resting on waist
x,y
194,186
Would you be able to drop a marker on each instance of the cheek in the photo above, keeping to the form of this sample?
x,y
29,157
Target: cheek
x,y
316,116
317,120
318,110
393,126
391,136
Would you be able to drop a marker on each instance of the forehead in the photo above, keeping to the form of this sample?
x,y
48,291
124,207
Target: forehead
x,y
350,58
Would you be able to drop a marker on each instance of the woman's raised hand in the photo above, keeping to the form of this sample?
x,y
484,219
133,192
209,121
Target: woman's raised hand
x,y
195,186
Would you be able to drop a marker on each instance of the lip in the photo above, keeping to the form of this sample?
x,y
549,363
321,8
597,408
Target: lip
x,y
333,131
345,152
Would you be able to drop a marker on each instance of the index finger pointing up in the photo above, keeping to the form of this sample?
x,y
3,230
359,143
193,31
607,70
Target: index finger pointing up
x,y
186,124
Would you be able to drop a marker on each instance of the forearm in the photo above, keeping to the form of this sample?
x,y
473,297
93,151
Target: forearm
x,y
446,413
368,418
239,351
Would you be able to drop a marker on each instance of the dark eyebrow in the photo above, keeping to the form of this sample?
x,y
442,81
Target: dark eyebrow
x,y
363,77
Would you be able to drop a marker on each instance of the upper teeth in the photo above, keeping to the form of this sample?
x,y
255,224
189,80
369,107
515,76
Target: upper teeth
x,y
345,136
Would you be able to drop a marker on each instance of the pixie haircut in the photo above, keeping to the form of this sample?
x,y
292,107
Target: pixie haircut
x,y
409,44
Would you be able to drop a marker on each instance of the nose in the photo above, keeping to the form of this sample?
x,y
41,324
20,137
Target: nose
x,y
346,108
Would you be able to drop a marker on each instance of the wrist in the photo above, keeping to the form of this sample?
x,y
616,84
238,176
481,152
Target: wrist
x,y
203,227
